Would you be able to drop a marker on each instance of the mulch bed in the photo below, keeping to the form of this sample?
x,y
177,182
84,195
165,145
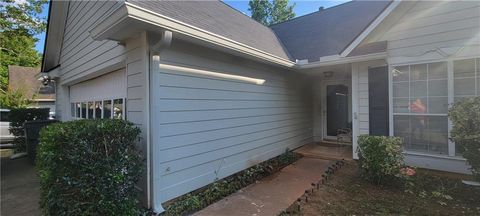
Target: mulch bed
x,y
345,193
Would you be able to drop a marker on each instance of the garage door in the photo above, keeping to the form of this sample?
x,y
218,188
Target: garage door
x,y
101,97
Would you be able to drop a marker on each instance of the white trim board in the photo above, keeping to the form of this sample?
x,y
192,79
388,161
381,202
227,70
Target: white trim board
x,y
370,28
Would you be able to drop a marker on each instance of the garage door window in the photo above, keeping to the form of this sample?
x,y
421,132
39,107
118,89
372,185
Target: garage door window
x,y
110,108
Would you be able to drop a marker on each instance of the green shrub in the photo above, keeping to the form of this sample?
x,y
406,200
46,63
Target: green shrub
x,y
89,167
19,116
465,116
380,157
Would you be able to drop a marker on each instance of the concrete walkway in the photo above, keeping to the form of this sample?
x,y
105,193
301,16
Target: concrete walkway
x,y
20,188
274,193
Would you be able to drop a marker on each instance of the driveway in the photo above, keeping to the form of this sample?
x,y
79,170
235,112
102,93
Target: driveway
x,y
20,188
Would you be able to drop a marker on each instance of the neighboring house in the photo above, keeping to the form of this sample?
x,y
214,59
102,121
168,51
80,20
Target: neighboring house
x,y
215,92
26,79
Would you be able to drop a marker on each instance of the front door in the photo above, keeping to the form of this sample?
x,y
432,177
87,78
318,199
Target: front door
x,y
336,103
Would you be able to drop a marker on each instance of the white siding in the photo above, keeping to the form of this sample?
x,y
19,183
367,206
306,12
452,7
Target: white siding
x,y
137,100
80,54
209,127
433,25
108,86
81,57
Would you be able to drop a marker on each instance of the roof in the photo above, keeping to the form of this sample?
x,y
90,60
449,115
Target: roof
x,y
24,78
219,18
328,31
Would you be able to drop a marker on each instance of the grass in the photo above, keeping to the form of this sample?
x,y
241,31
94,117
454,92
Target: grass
x,y
428,194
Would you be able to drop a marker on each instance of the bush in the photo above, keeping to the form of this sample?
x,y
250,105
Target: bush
x,y
381,157
465,116
19,116
89,167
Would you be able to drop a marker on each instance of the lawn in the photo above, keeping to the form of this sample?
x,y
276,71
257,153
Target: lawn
x,y
430,193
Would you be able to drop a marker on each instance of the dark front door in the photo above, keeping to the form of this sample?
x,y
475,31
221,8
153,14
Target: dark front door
x,y
378,100
337,108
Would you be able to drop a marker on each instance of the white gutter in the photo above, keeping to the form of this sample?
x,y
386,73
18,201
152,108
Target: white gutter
x,y
343,60
130,13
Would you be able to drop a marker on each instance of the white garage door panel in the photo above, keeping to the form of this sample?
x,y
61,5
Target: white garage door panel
x,y
108,86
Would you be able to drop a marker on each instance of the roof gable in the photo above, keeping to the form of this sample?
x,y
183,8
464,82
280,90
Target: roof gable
x,y
329,31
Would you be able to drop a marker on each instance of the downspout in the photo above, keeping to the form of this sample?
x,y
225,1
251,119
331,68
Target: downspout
x,y
154,58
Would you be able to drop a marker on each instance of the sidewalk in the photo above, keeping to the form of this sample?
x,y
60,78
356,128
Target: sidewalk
x,y
274,193
20,188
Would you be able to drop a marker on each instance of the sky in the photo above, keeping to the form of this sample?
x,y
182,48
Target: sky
x,y
302,7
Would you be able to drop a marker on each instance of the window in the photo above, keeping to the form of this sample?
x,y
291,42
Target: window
x,y
420,106
110,108
72,109
107,109
98,109
118,108
91,108
83,109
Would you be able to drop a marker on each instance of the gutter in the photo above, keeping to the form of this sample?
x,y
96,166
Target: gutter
x,y
129,14
342,60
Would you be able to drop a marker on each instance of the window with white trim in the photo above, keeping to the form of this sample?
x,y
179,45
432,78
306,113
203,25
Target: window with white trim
x,y
420,106
421,97
109,108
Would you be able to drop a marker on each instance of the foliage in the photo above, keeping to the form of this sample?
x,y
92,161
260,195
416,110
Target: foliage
x,y
281,12
381,157
19,23
14,98
89,167
195,201
465,116
18,116
269,13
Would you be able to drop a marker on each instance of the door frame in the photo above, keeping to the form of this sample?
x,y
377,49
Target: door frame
x,y
324,84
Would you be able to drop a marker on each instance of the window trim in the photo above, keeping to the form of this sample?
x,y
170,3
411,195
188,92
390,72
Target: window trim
x,y
450,97
111,99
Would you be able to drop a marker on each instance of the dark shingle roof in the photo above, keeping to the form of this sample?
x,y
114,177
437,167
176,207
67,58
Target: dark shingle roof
x,y
329,31
219,18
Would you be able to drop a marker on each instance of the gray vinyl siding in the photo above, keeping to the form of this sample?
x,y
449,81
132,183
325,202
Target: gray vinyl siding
x,y
208,127
434,24
80,54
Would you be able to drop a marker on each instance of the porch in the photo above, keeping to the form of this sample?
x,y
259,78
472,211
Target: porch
x,y
342,101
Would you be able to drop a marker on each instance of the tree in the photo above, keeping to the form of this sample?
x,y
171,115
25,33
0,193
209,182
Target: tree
x,y
280,11
20,21
14,98
269,13
260,10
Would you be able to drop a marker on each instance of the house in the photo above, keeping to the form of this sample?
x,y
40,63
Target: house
x,y
215,92
25,79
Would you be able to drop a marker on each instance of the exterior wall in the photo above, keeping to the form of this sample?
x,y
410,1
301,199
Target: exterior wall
x,y
137,101
207,127
82,58
360,108
432,27
433,31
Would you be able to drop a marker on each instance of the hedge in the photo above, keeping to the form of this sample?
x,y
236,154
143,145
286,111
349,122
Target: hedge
x,y
89,167
19,116
380,157
465,116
